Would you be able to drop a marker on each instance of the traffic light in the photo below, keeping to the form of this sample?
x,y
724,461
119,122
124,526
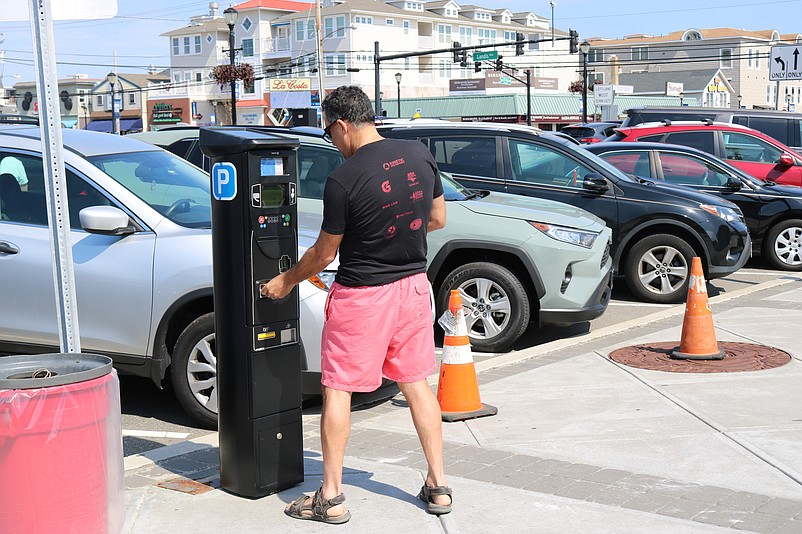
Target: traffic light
x,y
463,58
499,64
519,45
477,66
454,48
573,47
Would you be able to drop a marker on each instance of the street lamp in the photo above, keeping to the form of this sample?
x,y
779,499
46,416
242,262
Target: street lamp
x,y
681,98
398,83
230,16
739,101
584,47
112,79
552,4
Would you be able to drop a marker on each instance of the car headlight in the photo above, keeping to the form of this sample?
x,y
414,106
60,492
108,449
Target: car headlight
x,y
323,279
567,235
728,214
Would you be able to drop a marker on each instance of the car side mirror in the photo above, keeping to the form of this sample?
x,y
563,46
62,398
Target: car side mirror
x,y
733,184
786,160
595,182
106,220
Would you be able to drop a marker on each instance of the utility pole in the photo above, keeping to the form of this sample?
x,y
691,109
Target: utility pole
x,y
320,61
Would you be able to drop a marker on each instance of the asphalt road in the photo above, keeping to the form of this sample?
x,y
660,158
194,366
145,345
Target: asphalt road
x,y
152,417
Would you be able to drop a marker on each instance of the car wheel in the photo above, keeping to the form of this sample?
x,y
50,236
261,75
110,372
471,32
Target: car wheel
x,y
496,305
194,370
658,268
783,245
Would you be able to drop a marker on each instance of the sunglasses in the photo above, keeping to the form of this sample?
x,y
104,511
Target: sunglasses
x,y
327,131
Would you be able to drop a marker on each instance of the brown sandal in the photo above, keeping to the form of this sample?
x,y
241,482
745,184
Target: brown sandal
x,y
433,508
317,508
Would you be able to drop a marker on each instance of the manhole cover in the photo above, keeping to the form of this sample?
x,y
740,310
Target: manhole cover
x,y
737,357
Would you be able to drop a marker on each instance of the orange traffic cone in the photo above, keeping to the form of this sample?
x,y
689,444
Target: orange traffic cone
x,y
698,340
458,389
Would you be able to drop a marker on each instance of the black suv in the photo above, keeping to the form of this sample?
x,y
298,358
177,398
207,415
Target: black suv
x,y
773,212
783,126
657,229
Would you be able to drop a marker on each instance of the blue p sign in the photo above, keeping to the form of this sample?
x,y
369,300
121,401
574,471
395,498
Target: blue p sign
x,y
224,181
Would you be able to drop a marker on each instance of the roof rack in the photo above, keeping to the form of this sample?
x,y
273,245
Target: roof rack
x,y
666,122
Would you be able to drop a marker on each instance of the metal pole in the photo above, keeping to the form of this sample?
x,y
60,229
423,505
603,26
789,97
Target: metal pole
x,y
44,62
528,98
233,81
376,79
584,88
321,83
552,22
113,111
398,82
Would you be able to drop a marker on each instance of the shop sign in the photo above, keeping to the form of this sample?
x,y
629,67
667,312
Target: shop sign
x,y
162,113
467,85
290,84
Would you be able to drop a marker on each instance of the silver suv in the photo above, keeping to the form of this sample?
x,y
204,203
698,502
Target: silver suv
x,y
140,232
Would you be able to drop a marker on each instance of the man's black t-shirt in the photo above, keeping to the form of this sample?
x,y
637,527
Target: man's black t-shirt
x,y
380,200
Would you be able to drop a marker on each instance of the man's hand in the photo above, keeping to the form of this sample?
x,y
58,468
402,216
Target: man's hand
x,y
276,288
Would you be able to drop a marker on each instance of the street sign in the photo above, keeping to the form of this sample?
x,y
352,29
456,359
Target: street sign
x,y
784,63
603,95
485,56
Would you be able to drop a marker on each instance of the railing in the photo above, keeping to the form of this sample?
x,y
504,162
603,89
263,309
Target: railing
x,y
156,90
273,45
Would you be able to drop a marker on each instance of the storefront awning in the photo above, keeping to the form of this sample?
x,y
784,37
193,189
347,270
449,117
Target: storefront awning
x,y
105,125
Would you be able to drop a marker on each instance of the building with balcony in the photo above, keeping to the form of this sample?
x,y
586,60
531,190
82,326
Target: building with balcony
x,y
718,67
293,58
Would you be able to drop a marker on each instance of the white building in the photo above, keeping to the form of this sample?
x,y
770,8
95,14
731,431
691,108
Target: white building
x,y
281,38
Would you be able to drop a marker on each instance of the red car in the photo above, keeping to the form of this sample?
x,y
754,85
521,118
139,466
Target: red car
x,y
750,150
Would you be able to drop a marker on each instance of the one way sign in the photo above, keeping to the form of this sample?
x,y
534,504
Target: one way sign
x,y
785,63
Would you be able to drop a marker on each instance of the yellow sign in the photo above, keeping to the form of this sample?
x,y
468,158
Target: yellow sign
x,y
290,84
716,87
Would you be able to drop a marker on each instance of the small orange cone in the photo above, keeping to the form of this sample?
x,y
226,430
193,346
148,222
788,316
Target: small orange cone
x,y
698,341
458,389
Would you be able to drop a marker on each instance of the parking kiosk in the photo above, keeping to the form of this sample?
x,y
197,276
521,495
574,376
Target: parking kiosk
x,y
254,238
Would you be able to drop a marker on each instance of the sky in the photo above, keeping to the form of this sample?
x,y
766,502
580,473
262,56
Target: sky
x,y
132,39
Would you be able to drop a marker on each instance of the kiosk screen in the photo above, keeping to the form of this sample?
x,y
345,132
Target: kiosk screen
x,y
272,166
273,195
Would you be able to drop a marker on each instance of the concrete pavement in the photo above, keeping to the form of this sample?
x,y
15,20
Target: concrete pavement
x,y
580,444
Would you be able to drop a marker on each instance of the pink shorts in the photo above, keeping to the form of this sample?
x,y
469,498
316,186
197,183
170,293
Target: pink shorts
x,y
375,331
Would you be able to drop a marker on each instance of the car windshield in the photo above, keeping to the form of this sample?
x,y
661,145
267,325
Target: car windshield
x,y
167,183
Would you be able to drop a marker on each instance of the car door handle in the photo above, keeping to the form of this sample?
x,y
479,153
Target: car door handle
x,y
8,248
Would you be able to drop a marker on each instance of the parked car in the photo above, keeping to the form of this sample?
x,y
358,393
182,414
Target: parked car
x,y
515,260
656,230
751,151
591,132
142,256
783,126
773,213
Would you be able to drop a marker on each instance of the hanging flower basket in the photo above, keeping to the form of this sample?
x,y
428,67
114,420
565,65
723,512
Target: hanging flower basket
x,y
227,74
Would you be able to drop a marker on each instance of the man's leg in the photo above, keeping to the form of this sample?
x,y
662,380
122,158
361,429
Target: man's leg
x,y
335,427
426,417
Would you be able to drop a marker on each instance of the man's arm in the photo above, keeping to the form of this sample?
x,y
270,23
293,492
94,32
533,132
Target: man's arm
x,y
314,260
437,216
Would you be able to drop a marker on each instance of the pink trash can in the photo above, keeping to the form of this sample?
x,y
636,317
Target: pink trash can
x,y
61,459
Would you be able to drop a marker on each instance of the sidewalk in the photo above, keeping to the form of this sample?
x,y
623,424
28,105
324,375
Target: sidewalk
x,y
580,444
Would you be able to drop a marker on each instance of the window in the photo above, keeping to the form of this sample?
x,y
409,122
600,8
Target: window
x,y
361,19
445,68
703,141
249,89
684,169
725,58
334,26
24,196
389,22
335,65
749,60
486,36
81,96
745,147
450,12
186,45
596,55
176,46
640,53
534,37
630,161
405,24
132,98
594,78
247,24
311,29
300,34
542,165
413,6
197,44
314,166
247,48
692,35
444,34
465,36
509,36
99,101
199,77
465,155
209,39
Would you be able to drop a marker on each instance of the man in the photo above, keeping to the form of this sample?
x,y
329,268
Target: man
x,y
377,209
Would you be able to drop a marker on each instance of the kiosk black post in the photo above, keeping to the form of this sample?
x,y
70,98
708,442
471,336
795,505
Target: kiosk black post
x,y
254,237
